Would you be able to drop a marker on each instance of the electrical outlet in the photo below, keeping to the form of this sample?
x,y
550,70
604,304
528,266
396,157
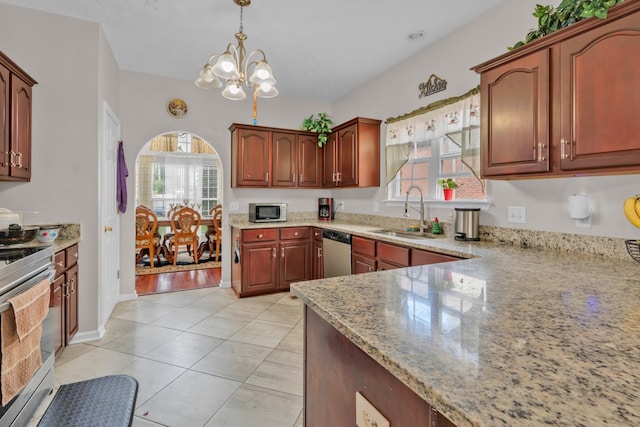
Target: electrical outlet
x,y
340,205
376,208
517,214
233,206
367,415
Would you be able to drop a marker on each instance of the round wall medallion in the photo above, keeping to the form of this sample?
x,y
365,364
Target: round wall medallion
x,y
177,108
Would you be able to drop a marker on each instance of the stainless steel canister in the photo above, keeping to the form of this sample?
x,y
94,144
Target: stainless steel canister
x,y
467,224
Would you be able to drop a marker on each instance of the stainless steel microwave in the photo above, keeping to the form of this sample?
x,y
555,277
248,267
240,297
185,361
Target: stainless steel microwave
x,y
267,212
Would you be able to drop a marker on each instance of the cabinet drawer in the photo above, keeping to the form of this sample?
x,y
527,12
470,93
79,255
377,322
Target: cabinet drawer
x,y
259,235
71,256
291,233
420,257
363,246
395,254
60,263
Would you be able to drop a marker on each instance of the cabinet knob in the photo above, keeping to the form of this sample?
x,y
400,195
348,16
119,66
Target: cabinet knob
x,y
60,264
260,236
282,252
273,251
266,177
295,234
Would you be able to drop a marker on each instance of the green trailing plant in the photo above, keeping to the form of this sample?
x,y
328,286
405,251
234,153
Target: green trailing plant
x,y
448,183
321,125
568,12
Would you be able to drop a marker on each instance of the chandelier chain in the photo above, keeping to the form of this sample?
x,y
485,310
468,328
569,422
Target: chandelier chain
x,y
241,26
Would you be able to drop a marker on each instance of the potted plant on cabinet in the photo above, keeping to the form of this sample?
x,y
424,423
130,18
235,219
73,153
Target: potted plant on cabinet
x,y
448,185
321,125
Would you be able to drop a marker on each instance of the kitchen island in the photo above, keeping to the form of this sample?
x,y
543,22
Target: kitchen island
x,y
512,337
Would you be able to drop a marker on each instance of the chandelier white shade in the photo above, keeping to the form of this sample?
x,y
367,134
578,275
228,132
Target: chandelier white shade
x,y
234,67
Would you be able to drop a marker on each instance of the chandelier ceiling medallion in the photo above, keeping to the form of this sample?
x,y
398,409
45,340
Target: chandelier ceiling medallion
x,y
234,66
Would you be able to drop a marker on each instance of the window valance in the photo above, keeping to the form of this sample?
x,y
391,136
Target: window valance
x,y
457,118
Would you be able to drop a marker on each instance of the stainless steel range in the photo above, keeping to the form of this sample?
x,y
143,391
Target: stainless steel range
x,y
20,269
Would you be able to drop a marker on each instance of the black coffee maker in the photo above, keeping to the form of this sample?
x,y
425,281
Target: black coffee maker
x,y
325,208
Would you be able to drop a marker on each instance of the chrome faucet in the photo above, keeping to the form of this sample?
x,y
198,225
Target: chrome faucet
x,y
421,210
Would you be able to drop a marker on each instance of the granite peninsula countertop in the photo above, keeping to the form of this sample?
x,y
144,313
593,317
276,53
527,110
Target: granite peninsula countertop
x,y
510,337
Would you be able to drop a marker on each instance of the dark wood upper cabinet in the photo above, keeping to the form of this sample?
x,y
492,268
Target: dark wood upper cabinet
x,y
565,104
15,121
272,157
352,154
286,158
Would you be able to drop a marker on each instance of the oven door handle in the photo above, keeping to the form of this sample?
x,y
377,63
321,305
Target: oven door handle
x,y
47,274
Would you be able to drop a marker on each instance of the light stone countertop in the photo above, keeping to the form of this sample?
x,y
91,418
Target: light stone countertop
x,y
510,337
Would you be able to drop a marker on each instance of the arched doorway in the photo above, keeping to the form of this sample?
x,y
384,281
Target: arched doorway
x,y
172,170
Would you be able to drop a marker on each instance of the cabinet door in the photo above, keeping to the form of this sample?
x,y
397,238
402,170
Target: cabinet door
x,y
71,303
20,128
310,162
330,152
295,262
600,83
347,159
56,308
5,98
284,160
253,158
515,116
259,273
362,264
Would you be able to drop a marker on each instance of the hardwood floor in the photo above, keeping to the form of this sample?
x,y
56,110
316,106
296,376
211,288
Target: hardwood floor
x,y
178,281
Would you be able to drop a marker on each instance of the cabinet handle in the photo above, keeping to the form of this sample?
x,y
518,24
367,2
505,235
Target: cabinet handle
x,y
19,155
65,290
11,156
293,177
273,251
334,177
541,158
266,177
60,264
563,153
339,174
281,252
319,252
107,228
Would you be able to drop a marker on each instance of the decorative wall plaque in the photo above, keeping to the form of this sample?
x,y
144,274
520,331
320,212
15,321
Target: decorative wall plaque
x,y
177,108
434,84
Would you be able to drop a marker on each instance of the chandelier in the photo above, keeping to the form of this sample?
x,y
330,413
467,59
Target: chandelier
x,y
234,65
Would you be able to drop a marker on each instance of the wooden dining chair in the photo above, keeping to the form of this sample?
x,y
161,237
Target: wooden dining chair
x,y
185,224
147,240
213,235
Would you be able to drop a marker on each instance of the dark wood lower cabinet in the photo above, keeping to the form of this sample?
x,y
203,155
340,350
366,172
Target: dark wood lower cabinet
x,y
335,369
268,260
64,297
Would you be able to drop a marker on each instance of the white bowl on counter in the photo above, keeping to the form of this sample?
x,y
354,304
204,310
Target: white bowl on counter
x,y
47,234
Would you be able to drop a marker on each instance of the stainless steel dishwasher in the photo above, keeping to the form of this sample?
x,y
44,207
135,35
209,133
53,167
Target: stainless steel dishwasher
x,y
336,253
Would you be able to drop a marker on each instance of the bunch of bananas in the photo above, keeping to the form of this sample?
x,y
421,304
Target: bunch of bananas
x,y
632,210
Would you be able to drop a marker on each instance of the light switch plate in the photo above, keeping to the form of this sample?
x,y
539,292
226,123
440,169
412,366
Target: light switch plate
x,y
517,214
233,206
376,207
367,415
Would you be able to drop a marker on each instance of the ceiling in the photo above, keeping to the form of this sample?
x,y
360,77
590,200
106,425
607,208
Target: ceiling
x,y
317,49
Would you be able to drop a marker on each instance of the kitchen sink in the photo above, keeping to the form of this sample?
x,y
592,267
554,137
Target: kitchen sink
x,y
403,234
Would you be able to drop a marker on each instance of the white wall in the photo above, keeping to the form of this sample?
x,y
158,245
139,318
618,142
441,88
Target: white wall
x,y
396,92
62,54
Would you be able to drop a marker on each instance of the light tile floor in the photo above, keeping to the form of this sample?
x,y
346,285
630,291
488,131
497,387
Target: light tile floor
x,y
201,358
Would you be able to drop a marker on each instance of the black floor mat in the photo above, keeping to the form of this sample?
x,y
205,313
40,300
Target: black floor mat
x,y
100,402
